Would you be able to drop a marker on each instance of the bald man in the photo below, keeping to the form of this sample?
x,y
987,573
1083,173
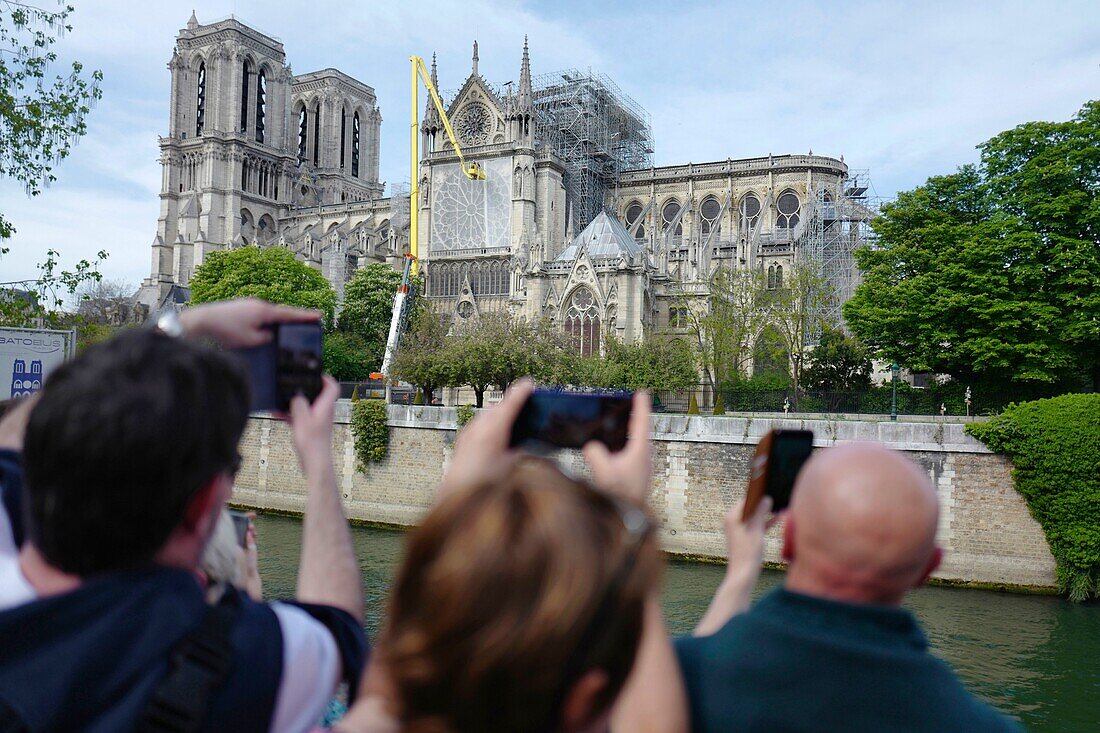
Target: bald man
x,y
832,649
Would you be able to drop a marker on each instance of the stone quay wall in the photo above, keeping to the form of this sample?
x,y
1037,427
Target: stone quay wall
x,y
700,470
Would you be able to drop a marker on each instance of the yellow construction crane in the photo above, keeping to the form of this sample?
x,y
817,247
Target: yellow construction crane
x,y
402,299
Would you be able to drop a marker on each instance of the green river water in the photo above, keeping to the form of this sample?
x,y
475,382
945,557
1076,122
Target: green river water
x,y
1035,657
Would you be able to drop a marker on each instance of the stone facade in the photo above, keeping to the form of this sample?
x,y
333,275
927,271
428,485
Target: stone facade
x,y
307,179
701,467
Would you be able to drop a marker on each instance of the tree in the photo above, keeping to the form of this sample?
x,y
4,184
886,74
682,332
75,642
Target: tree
x,y
425,357
104,302
797,306
40,117
493,349
838,363
272,274
960,287
654,363
736,314
368,308
345,357
38,303
1048,175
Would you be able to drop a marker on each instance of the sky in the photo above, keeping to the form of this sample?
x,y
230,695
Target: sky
x,y
903,90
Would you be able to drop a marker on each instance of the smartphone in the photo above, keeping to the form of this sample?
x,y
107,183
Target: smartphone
x,y
289,364
559,419
778,458
240,524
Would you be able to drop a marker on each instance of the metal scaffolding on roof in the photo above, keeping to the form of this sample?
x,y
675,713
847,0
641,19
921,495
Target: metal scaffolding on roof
x,y
839,224
596,129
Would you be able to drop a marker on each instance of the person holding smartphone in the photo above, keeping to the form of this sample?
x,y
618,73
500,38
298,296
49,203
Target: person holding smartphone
x,y
832,648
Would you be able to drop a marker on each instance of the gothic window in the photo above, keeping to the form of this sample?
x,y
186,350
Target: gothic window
x,y
668,215
677,316
303,132
317,134
343,134
775,277
244,174
261,105
633,213
200,107
788,206
750,211
355,145
247,72
582,323
708,213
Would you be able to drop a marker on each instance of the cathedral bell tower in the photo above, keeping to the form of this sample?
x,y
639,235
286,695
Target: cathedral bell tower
x,y
226,170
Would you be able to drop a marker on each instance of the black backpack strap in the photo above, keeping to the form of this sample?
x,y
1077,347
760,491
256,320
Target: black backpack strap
x,y
201,662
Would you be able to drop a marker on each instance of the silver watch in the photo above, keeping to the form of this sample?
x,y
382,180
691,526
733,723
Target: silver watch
x,y
168,323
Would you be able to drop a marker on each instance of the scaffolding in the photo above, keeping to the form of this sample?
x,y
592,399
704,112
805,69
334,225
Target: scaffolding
x,y
596,129
839,224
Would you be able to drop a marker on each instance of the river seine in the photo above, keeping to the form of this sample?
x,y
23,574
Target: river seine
x,y
1037,658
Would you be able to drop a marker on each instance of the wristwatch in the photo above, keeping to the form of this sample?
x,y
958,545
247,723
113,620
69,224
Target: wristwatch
x,y
168,323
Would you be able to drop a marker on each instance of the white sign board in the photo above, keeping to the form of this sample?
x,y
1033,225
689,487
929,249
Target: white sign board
x,y
27,356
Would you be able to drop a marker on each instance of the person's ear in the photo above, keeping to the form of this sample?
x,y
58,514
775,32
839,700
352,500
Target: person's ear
x,y
933,563
203,508
579,708
788,539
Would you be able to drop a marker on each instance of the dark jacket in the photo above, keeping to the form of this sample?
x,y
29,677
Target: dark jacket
x,y
801,663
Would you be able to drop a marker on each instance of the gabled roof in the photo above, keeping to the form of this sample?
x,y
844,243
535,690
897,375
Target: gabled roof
x,y
605,238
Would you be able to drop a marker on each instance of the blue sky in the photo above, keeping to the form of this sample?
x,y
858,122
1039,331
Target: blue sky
x,y
905,90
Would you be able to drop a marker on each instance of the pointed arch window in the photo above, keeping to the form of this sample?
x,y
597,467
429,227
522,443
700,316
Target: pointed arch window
x,y
261,105
668,214
355,145
775,277
200,104
343,135
750,211
317,134
708,214
788,206
633,213
582,323
303,133
246,73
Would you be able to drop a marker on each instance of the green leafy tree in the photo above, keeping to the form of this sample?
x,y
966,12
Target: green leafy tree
x,y
959,287
41,116
796,313
1048,175
425,357
493,349
737,312
346,357
654,363
39,303
368,308
273,274
838,363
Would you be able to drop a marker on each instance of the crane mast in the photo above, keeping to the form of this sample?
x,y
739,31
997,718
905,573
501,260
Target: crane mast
x,y
406,291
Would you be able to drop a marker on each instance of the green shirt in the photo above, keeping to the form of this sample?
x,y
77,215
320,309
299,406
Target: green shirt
x,y
802,663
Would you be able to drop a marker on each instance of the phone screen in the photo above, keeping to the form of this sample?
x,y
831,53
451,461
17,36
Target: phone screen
x,y
288,364
570,419
240,525
790,449
297,361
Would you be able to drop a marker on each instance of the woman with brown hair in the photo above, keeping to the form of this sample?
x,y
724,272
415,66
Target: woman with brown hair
x,y
528,600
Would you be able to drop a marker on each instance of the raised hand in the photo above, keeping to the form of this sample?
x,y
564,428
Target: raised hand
x,y
627,473
239,324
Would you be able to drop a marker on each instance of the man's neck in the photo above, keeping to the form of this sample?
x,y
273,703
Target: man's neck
x,y
837,587
43,577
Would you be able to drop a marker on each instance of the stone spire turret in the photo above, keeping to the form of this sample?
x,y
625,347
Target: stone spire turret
x,y
524,101
192,22
475,71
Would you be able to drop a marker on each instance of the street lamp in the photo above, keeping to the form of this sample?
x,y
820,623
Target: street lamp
x,y
894,399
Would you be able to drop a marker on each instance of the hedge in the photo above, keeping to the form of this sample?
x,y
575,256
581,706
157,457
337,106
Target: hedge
x,y
371,433
1054,445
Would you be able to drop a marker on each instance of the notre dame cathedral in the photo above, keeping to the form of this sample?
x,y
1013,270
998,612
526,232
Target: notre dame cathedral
x,y
572,223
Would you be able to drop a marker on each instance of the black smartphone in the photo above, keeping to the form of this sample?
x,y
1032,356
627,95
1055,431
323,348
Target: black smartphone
x,y
240,524
778,458
287,365
559,419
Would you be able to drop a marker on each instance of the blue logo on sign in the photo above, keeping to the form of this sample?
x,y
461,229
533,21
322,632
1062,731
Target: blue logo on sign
x,y
23,382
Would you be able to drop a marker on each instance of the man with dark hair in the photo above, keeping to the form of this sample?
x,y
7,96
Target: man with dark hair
x,y
129,458
832,649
